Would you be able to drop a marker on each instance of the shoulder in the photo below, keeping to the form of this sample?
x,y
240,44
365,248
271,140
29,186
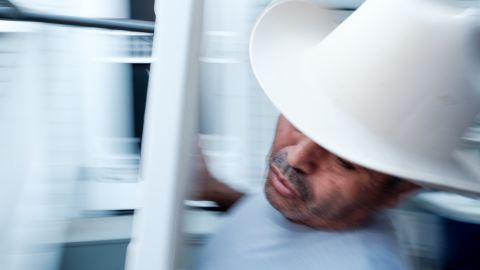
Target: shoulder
x,y
381,246
254,234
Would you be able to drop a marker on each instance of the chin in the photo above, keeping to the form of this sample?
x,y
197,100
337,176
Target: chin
x,y
335,224
348,220
291,209
298,212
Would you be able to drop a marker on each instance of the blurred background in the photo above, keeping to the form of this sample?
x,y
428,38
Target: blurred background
x,y
72,105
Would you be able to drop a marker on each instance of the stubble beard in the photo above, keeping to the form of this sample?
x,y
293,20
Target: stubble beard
x,y
330,210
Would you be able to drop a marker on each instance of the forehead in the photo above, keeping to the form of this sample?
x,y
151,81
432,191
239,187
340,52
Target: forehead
x,y
287,130
282,121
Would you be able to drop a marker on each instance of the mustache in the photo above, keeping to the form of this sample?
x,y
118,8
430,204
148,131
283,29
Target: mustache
x,y
279,160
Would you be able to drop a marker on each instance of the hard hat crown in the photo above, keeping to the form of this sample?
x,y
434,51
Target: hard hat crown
x,y
403,69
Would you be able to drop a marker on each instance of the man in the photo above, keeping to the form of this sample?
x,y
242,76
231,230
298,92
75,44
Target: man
x,y
361,128
315,193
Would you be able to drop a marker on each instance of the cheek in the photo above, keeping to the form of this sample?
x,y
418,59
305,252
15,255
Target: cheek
x,y
340,186
369,193
328,178
326,187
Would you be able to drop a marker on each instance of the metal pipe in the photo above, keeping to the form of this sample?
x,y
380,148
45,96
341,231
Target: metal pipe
x,y
15,14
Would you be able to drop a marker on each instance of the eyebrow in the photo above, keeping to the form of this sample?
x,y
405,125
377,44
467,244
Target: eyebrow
x,y
346,164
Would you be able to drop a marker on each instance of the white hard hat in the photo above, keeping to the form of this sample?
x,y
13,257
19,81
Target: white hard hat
x,y
393,88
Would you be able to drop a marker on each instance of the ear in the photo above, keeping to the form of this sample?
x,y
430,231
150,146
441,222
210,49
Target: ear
x,y
402,191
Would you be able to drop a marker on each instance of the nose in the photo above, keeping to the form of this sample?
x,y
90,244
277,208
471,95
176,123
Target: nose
x,y
305,155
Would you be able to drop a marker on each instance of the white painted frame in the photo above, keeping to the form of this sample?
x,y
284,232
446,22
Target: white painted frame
x,y
168,135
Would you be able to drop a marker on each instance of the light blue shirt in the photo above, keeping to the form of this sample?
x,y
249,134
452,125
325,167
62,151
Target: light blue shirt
x,y
256,236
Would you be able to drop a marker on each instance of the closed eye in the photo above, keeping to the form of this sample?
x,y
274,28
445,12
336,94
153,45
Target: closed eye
x,y
345,164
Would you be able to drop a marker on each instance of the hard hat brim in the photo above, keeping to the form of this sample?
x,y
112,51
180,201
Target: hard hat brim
x,y
279,51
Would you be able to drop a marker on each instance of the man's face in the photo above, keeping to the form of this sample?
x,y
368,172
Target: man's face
x,y
311,186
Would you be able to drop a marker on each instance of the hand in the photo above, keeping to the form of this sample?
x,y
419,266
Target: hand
x,y
208,188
